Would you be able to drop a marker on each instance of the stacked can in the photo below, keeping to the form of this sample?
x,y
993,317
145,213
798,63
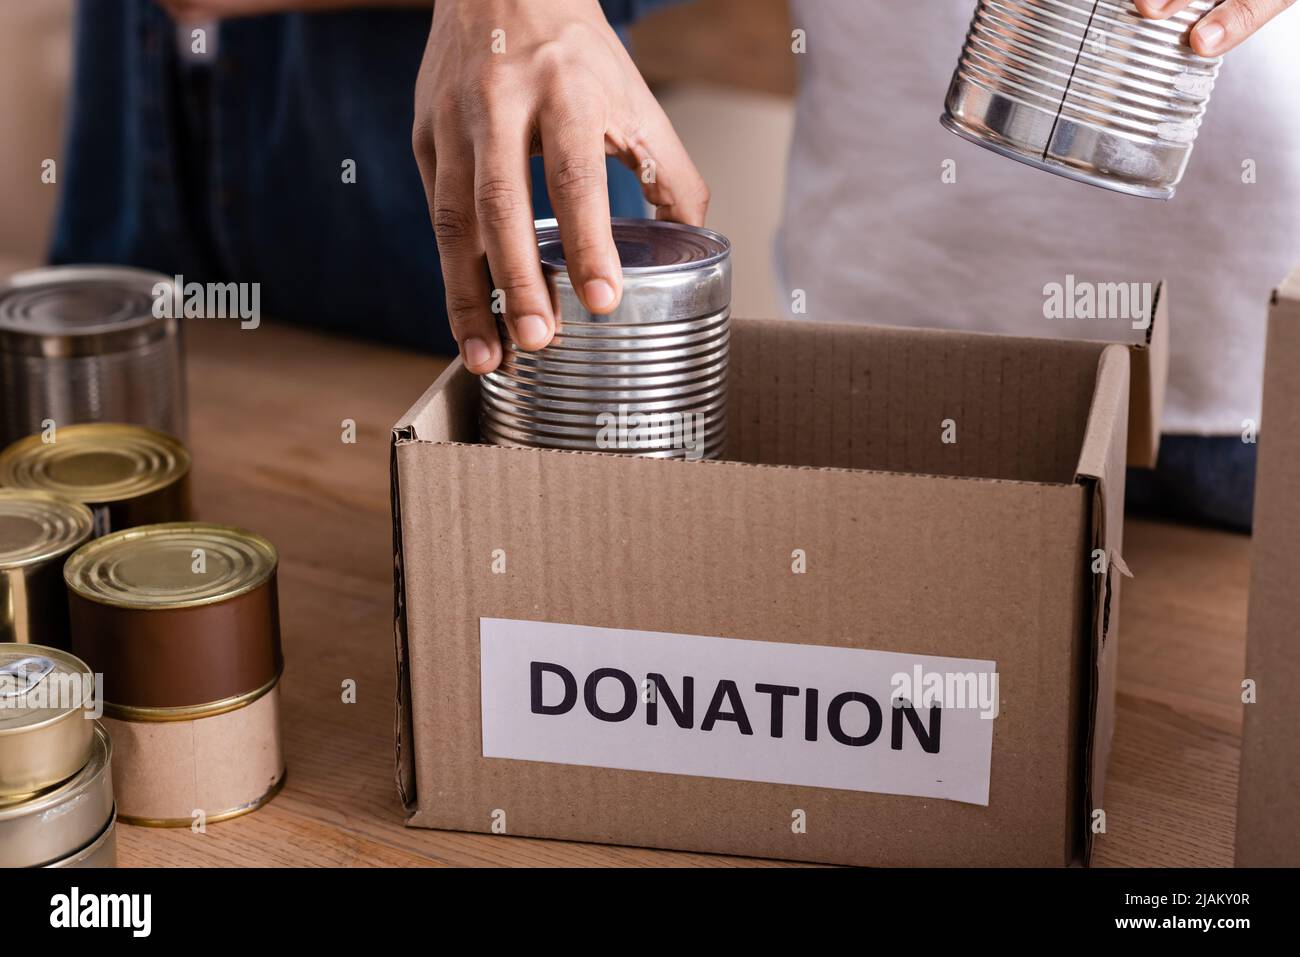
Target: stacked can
x,y
83,344
183,622
56,785
1086,89
125,474
648,379
38,531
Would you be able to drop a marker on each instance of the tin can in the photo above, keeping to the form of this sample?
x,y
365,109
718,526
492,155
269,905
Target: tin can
x,y
1086,89
223,761
648,379
99,853
126,475
47,703
69,824
38,531
83,344
182,620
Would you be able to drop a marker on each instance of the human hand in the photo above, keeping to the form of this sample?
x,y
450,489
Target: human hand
x,y
503,80
1222,28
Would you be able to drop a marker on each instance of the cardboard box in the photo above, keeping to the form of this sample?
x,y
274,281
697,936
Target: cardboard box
x,y
1268,802
845,541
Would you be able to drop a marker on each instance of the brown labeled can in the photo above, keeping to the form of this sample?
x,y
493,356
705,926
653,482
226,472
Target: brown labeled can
x,y
127,475
182,620
38,530
70,824
48,700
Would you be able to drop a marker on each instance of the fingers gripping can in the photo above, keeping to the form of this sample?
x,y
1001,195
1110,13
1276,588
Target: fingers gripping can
x,y
648,379
1086,89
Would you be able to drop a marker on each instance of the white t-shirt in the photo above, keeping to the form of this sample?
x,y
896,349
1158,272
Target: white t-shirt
x,y
871,232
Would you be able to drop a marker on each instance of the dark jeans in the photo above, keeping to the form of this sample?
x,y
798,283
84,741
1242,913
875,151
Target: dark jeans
x,y
234,172
1203,480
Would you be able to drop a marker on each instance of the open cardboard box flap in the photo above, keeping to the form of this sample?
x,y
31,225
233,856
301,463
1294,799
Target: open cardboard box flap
x,y
1149,378
1038,380
1268,803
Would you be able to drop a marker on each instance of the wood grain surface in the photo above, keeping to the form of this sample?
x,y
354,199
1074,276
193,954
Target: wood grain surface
x,y
267,418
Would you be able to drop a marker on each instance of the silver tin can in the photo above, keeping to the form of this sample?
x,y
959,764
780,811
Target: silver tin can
x,y
99,853
1086,89
82,344
648,379
69,824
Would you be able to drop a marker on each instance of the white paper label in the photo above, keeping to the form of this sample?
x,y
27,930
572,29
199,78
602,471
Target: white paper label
x,y
729,708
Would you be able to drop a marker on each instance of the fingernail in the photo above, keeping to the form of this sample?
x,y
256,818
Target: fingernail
x,y
1211,35
533,332
599,294
477,353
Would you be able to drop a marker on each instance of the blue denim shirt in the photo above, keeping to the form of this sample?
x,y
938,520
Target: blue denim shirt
x,y
234,172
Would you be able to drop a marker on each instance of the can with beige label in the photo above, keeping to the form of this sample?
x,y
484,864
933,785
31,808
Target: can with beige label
x,y
182,619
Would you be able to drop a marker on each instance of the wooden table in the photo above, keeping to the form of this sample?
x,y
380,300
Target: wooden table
x,y
267,408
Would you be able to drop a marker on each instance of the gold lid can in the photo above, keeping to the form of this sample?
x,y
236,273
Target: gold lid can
x,y
171,565
96,463
47,702
47,827
36,527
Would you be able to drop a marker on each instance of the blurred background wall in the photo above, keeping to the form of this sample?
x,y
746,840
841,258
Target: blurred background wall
x,y
725,74
722,68
35,67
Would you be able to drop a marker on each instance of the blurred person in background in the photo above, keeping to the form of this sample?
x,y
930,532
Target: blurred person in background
x,y
871,232
228,166
221,157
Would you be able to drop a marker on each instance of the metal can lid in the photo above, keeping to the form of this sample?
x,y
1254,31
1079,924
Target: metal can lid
x,y
38,526
173,565
96,463
39,686
80,310
671,272
645,246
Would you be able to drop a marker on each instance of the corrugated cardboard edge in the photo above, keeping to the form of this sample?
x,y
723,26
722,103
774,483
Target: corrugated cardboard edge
x,y
403,731
433,407
1101,466
1150,378
1268,788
